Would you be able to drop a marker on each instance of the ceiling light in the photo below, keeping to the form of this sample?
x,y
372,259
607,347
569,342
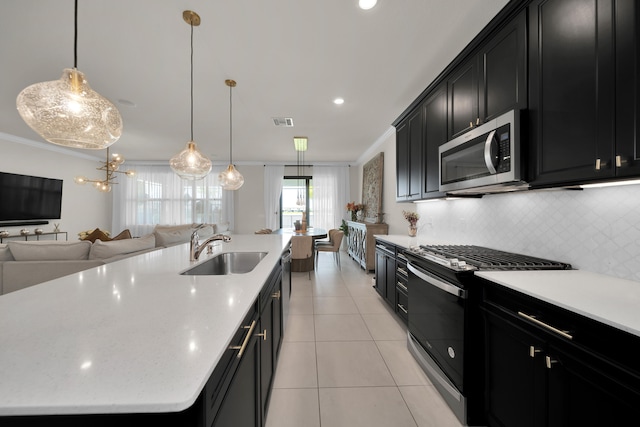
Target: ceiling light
x,y
191,163
367,4
230,179
300,143
67,111
110,167
338,101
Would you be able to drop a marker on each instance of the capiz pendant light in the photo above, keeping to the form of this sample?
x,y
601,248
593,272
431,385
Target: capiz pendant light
x,y
230,179
68,112
190,163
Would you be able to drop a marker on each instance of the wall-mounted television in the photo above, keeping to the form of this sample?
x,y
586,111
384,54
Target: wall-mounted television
x,y
24,197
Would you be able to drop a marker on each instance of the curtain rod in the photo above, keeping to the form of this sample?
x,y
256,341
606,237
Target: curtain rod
x,y
305,165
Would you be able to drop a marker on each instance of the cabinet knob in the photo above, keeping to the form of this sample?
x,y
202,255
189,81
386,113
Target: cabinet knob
x,y
276,295
263,335
549,361
478,121
470,124
533,350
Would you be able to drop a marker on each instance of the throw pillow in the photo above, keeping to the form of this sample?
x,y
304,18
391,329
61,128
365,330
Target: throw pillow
x,y
97,234
124,234
49,250
103,250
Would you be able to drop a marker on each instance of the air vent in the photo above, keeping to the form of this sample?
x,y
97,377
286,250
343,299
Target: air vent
x,y
286,122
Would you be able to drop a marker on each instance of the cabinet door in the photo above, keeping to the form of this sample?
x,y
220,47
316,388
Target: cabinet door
x,y
627,88
435,134
266,355
571,90
241,407
503,81
416,143
462,89
515,381
402,161
391,281
381,273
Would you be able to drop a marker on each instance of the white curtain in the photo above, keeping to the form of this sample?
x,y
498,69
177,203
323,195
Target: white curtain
x,y
156,195
273,178
331,193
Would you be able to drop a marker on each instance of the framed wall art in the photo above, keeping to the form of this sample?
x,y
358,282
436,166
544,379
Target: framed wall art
x,y
372,173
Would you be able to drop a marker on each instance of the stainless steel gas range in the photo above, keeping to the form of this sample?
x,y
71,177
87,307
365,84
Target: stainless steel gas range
x,y
446,335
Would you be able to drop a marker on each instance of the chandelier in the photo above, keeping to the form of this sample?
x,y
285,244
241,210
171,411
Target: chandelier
x,y
190,163
67,111
231,178
110,168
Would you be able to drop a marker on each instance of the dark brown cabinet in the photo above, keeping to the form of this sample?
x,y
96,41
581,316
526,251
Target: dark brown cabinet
x,y
572,90
270,333
386,271
492,81
572,375
435,134
409,148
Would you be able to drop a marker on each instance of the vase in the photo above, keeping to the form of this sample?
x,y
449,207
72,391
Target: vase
x,y
413,230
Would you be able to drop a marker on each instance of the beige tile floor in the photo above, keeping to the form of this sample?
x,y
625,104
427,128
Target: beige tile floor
x,y
344,360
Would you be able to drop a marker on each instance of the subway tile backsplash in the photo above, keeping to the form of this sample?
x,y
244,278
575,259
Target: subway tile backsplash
x,y
594,229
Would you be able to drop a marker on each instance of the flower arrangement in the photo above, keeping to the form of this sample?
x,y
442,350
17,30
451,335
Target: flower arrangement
x,y
354,208
412,217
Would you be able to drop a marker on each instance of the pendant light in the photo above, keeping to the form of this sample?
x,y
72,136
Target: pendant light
x,y
190,163
68,112
230,179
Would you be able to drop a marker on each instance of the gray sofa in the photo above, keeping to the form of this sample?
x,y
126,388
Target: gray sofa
x,y
24,264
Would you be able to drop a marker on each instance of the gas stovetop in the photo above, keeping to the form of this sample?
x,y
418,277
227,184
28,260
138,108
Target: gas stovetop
x,y
469,258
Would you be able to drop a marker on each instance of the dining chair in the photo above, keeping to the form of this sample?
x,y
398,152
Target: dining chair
x,y
336,240
328,241
302,254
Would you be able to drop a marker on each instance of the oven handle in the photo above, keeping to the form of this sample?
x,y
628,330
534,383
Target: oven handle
x,y
451,289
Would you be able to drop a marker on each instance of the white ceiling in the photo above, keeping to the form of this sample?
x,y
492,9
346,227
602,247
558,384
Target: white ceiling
x,y
290,58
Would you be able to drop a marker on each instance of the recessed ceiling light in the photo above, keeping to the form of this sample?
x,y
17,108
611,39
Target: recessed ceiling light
x,y
338,101
367,4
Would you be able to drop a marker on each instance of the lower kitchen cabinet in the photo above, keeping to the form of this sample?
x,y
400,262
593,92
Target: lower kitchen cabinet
x,y
391,277
577,374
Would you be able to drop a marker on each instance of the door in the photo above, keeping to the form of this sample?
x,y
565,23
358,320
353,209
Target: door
x,y
572,89
435,134
462,89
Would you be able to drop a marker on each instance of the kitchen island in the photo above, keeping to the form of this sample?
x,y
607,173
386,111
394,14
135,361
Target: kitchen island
x,y
130,337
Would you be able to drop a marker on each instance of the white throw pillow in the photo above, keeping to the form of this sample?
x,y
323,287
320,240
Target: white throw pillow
x,y
49,250
103,250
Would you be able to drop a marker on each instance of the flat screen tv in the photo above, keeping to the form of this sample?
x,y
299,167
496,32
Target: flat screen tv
x,y
24,198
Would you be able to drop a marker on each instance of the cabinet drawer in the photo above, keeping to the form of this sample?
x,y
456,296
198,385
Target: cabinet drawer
x,y
402,304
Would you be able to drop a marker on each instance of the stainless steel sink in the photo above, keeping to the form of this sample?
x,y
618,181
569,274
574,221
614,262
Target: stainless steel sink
x,y
227,263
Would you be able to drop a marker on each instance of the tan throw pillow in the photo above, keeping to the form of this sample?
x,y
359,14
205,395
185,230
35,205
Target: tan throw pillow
x,y
97,234
103,250
49,250
124,234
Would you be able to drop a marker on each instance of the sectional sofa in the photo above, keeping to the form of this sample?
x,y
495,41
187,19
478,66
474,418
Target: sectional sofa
x,y
24,264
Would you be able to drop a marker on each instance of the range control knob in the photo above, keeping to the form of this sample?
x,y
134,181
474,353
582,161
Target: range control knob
x,y
453,262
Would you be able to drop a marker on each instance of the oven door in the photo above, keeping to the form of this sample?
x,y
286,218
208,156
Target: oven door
x,y
437,320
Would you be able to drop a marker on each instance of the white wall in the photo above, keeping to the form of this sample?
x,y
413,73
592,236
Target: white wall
x,y
83,207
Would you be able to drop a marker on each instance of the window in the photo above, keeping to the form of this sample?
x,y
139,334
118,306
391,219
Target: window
x,y
156,195
296,198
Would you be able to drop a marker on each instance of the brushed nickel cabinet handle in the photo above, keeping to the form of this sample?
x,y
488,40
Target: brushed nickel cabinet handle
x,y
533,351
531,318
619,161
478,121
401,307
402,286
470,124
276,295
243,347
263,335
549,361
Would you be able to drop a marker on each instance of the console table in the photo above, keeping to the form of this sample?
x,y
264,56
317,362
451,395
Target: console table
x,y
361,245
37,236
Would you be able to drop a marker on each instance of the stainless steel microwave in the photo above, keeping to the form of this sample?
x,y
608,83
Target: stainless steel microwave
x,y
486,159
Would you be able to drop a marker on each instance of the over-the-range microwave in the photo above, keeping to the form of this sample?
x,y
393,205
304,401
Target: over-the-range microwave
x,y
487,159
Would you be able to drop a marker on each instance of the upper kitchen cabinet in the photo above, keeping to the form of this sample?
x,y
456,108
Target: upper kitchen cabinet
x,y
435,134
492,81
572,90
409,149
627,147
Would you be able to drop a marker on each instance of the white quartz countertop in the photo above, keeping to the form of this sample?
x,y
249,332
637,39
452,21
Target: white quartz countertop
x,y
607,299
129,336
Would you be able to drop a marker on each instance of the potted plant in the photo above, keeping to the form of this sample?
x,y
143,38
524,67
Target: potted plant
x,y
413,218
354,208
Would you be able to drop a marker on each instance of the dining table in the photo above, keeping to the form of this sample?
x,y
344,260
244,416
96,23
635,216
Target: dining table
x,y
315,232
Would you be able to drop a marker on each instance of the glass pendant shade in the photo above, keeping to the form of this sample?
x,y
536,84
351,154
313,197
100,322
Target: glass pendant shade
x,y
190,163
68,112
230,179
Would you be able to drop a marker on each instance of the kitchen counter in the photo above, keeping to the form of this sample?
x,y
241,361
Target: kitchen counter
x,y
129,336
607,299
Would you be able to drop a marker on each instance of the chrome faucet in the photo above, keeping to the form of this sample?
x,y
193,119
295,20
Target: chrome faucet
x,y
195,248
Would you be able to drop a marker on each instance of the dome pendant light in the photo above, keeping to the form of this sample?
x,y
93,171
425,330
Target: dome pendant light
x,y
190,163
68,112
230,179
